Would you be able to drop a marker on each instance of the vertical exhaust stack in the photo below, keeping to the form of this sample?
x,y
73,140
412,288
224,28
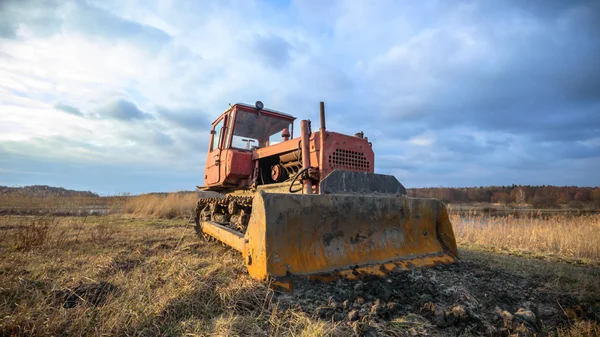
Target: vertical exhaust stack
x,y
305,139
322,113
322,133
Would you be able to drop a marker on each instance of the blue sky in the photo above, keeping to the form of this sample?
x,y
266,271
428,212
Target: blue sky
x,y
118,96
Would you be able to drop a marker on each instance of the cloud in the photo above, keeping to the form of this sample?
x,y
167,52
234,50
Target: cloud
x,y
122,109
37,16
93,20
69,109
454,93
162,139
188,118
530,77
46,18
7,30
272,50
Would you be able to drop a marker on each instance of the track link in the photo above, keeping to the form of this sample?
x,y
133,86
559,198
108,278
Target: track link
x,y
232,211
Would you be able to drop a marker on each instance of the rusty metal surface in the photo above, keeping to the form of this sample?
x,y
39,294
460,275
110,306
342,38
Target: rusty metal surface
x,y
277,149
238,164
342,181
344,152
345,234
307,183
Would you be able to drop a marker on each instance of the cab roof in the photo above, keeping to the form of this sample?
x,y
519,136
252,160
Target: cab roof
x,y
252,107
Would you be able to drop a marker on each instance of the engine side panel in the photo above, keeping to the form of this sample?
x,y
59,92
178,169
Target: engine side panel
x,y
348,153
238,166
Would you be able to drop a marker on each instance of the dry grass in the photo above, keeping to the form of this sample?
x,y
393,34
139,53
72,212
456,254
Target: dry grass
x,y
559,236
147,276
116,276
580,329
169,206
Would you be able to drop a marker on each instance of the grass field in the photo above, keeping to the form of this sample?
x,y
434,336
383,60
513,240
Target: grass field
x,y
143,272
120,276
559,237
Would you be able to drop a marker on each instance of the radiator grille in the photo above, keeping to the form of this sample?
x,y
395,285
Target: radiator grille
x,y
349,160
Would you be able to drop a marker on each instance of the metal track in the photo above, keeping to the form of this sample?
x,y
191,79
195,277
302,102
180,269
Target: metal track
x,y
232,211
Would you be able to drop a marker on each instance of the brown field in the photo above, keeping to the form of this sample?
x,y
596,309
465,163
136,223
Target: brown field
x,y
142,271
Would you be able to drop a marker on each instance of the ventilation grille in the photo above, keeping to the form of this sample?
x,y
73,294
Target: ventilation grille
x,y
349,160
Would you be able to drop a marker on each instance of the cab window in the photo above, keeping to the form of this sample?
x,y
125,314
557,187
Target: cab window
x,y
217,135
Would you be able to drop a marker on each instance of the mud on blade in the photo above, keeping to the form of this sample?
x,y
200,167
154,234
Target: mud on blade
x,y
346,235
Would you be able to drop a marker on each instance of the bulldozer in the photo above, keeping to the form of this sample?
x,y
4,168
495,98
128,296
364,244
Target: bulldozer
x,y
312,205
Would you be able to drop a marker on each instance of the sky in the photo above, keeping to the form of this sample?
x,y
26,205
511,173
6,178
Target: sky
x,y
118,96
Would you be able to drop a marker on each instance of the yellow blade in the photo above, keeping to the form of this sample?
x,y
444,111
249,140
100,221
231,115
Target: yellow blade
x,y
345,235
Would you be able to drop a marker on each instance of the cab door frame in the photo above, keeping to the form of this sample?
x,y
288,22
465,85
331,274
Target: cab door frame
x,y
215,149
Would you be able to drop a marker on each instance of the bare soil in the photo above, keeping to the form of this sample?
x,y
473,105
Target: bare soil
x,y
467,297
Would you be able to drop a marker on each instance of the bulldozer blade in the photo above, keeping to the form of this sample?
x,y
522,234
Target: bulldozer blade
x,y
336,235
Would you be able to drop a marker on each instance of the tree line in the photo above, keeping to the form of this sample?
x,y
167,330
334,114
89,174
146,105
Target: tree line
x,y
538,196
45,191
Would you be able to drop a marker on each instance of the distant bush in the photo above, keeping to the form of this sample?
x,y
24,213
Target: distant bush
x,y
45,191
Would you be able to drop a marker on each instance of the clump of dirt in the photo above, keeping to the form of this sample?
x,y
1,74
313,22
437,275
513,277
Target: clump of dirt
x,y
453,298
93,293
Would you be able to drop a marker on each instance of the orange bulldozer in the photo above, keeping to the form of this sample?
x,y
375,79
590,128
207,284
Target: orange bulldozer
x,y
312,205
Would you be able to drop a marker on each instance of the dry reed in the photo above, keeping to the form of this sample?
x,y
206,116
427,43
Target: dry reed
x,y
161,206
560,235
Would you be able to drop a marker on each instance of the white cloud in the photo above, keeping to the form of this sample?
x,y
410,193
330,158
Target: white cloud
x,y
422,140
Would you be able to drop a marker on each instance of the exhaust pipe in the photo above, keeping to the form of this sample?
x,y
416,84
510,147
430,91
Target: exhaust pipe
x,y
305,139
322,133
322,108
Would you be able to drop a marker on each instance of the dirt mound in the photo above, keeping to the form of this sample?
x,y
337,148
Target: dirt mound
x,y
93,293
453,298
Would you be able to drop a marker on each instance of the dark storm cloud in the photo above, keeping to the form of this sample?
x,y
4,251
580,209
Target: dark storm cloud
x,y
272,50
538,81
465,144
188,118
69,109
122,109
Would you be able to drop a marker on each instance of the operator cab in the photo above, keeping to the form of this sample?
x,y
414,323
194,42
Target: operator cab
x,y
251,127
235,137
